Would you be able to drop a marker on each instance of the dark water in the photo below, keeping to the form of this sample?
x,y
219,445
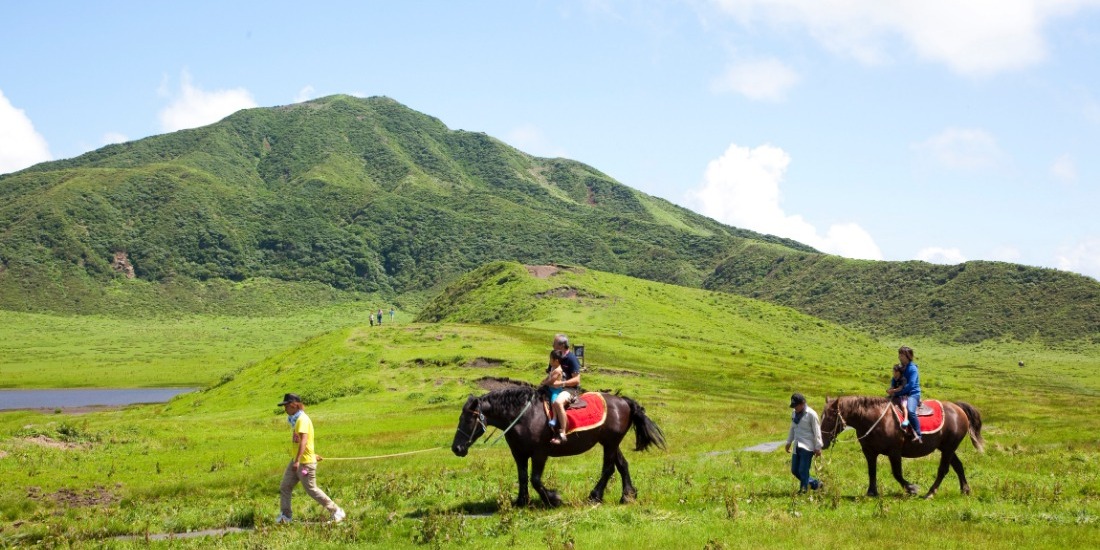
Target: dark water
x,y
52,399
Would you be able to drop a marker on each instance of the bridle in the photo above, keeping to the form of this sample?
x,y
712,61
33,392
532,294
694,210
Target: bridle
x,y
840,423
480,422
485,426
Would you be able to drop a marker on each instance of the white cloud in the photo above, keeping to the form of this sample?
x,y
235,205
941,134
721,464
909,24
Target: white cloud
x,y
530,139
971,37
20,144
1064,169
305,94
1082,257
193,107
114,137
938,255
767,80
741,188
963,148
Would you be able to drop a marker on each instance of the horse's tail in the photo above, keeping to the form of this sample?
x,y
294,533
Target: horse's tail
x,y
975,430
645,430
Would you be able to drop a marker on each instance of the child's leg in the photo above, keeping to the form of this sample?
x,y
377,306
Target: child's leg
x,y
559,413
904,412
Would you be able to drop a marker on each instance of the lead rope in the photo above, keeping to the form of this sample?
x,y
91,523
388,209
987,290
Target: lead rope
x,y
521,413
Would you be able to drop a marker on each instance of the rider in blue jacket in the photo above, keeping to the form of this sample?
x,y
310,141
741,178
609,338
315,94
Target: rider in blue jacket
x,y
911,389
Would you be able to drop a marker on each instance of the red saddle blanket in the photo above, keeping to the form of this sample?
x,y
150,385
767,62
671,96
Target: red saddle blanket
x,y
931,423
591,416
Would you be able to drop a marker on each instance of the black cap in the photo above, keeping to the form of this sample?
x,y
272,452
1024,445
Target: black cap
x,y
797,399
290,398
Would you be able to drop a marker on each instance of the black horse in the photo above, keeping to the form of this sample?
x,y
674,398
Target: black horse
x,y
519,412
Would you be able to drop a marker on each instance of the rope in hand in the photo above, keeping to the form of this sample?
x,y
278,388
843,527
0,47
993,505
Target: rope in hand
x,y
321,459
486,442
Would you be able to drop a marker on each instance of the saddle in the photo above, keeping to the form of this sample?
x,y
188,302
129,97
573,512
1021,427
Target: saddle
x,y
591,415
929,414
574,402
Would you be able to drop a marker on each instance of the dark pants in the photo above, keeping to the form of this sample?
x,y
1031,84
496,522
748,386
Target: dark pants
x,y
800,468
914,402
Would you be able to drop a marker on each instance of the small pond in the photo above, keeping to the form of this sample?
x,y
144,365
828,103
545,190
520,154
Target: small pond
x,y
89,397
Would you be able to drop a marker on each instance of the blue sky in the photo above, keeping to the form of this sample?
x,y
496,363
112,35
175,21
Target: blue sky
x,y
937,130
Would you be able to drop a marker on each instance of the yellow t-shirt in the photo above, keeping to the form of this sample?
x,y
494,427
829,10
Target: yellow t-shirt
x,y
303,428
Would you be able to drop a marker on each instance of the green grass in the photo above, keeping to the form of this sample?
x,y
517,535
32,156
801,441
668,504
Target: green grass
x,y
65,351
713,370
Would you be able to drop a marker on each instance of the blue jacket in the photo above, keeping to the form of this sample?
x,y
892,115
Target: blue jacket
x,y
912,381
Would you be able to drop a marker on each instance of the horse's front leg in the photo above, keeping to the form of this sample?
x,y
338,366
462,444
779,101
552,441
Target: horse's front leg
x,y
551,498
872,472
609,459
524,497
895,467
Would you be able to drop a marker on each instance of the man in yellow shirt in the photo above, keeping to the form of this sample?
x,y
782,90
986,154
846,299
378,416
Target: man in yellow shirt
x,y
303,467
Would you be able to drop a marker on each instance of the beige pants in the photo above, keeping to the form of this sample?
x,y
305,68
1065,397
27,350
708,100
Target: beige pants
x,y
291,477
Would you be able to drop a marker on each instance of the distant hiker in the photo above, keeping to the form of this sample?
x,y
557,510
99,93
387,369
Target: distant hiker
x,y
911,390
371,319
303,467
379,317
391,314
806,434
554,374
897,382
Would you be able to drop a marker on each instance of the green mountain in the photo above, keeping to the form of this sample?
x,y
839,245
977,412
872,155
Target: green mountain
x,y
355,194
343,198
967,303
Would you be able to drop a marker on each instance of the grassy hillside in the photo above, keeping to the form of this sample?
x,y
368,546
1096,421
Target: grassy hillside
x,y
356,194
713,370
966,303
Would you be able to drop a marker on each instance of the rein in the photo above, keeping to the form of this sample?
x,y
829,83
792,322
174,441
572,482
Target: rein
x,y
844,424
485,426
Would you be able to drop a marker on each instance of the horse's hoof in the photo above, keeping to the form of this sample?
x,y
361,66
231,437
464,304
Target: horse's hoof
x,y
929,496
912,489
628,498
595,498
552,499
521,502
966,490
872,493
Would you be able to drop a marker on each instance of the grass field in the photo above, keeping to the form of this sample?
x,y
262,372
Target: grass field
x,y
713,370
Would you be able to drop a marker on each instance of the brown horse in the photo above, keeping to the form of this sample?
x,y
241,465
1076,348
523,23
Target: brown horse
x,y
518,411
879,433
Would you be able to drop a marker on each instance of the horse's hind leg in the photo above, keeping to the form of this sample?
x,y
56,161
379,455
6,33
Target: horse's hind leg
x,y
945,465
895,468
958,466
629,492
609,460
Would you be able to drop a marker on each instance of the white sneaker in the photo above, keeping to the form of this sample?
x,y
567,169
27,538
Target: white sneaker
x,y
339,515
282,519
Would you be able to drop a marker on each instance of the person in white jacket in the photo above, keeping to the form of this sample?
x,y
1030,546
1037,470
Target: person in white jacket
x,y
806,434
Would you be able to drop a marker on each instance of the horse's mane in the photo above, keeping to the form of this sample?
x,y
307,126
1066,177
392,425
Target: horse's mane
x,y
510,399
863,404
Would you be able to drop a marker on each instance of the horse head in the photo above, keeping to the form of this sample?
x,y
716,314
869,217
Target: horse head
x,y
471,425
832,422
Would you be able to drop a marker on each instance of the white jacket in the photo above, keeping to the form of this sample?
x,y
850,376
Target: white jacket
x,y
807,433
